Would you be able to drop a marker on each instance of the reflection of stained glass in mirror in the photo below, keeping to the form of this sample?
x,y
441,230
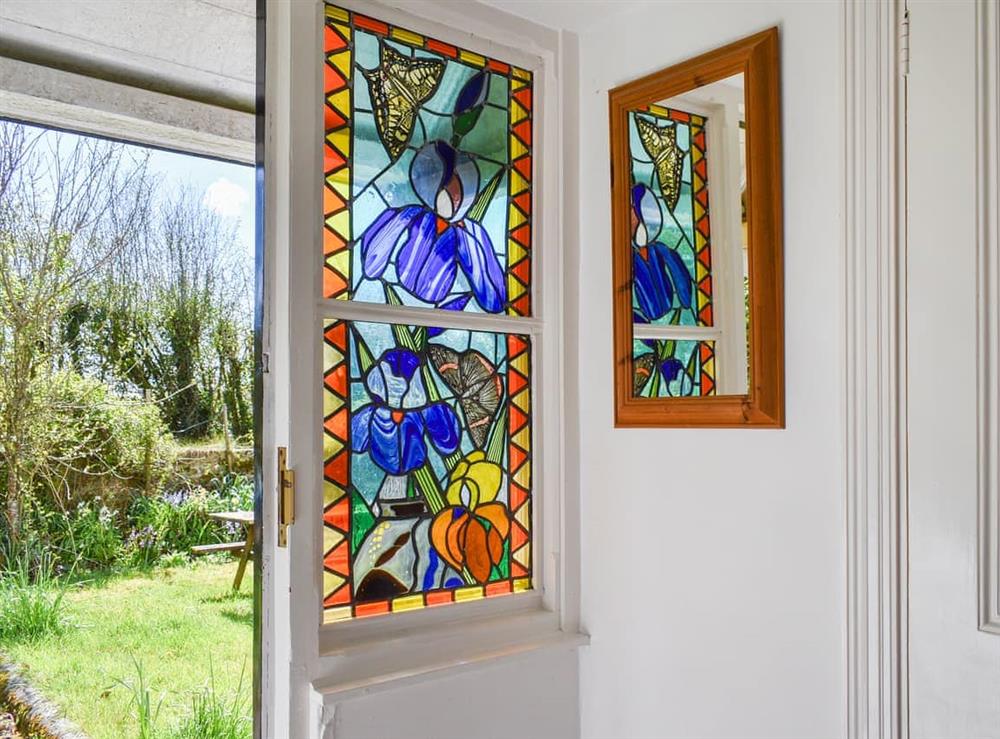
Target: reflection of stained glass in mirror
x,y
669,368
428,171
671,260
427,467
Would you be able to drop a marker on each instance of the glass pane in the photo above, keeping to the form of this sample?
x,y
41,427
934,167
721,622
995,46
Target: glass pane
x,y
671,259
427,161
669,368
427,466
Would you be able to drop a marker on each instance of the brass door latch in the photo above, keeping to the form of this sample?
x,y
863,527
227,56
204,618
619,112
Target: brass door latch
x,y
286,497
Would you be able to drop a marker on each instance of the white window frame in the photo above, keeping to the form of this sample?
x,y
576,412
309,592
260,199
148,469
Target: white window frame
x,y
729,331
333,662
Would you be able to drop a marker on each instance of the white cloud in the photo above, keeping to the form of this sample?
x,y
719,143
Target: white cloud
x,y
226,198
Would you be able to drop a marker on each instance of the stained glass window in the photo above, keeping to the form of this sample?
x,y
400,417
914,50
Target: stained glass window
x,y
670,228
671,254
427,428
428,169
427,472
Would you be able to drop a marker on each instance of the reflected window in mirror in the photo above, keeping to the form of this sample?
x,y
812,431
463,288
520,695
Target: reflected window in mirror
x,y
686,183
696,249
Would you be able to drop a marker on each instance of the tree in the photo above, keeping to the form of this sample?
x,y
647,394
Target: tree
x,y
173,316
65,212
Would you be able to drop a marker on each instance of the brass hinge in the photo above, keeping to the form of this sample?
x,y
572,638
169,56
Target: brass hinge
x,y
286,497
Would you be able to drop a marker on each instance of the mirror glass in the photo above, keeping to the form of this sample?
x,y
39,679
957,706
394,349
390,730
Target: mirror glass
x,y
688,222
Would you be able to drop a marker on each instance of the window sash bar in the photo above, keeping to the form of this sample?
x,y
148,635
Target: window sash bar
x,y
356,310
647,331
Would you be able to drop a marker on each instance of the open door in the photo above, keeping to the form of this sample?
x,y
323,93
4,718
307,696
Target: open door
x,y
407,332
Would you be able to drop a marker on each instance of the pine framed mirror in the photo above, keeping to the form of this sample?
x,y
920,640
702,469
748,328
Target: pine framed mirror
x,y
697,241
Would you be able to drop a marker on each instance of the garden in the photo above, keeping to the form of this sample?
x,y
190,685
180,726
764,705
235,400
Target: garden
x,y
125,422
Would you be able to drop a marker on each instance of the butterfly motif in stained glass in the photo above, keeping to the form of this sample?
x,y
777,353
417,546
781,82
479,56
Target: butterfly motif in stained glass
x,y
428,171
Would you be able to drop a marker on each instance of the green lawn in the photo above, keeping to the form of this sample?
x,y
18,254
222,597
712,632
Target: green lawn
x,y
179,623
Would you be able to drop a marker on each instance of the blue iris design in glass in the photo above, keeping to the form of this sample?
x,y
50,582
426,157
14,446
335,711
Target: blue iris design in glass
x,y
658,272
430,242
393,427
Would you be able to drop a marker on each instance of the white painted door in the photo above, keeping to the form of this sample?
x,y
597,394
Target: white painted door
x,y
954,664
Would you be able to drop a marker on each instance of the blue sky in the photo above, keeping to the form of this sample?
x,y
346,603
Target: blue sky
x,y
224,187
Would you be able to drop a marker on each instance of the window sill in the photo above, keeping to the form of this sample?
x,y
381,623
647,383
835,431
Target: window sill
x,y
442,650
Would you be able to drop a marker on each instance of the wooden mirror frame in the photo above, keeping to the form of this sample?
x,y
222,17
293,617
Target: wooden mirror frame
x,y
764,405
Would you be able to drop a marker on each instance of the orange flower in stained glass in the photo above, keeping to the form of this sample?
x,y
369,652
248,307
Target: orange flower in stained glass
x,y
471,539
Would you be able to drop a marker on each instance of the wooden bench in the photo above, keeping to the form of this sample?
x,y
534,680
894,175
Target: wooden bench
x,y
226,546
245,547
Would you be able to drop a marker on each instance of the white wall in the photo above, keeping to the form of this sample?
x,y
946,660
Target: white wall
x,y
713,560
534,698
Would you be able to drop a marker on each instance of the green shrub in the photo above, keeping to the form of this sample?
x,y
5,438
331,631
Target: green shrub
x,y
147,531
93,536
31,604
233,492
176,521
103,442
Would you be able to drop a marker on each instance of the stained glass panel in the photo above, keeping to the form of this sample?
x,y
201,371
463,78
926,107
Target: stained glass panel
x,y
669,368
427,466
428,171
671,256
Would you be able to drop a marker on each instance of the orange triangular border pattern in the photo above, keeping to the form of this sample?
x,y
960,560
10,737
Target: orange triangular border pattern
x,y
519,195
337,70
703,253
518,456
337,466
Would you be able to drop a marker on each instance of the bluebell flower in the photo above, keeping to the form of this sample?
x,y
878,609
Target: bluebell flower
x,y
176,498
431,241
392,428
658,272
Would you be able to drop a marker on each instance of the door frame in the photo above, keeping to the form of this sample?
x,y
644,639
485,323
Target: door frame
x,y
875,61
